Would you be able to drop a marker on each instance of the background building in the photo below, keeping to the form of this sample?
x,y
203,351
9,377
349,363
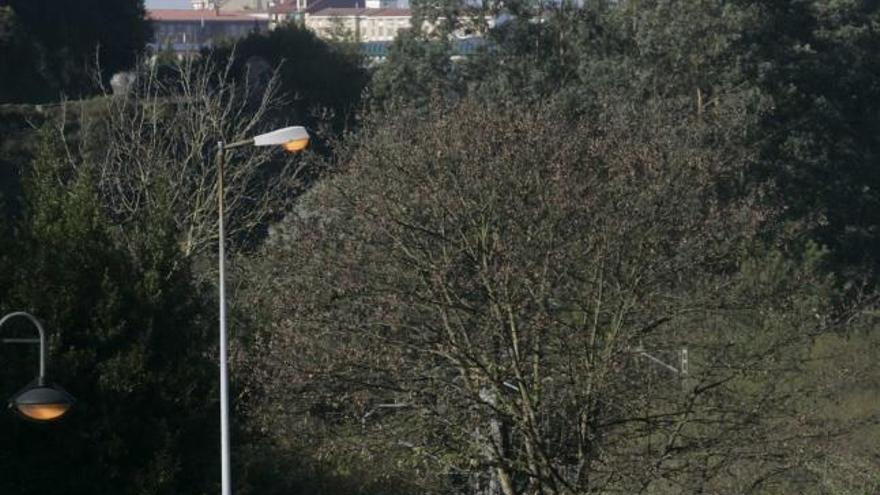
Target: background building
x,y
362,21
373,24
358,24
185,31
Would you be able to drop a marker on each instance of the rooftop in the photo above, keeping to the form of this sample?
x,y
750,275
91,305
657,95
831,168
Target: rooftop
x,y
206,15
333,4
337,7
286,7
385,12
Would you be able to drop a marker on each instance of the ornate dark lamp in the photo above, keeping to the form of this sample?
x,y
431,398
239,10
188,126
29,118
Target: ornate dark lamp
x,y
40,400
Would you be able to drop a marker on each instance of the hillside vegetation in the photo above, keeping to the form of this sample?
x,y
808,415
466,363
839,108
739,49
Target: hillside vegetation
x,y
629,247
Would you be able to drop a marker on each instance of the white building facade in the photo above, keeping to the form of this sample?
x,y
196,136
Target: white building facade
x,y
359,25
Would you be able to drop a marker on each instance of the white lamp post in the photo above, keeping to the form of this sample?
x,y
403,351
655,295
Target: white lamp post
x,y
291,139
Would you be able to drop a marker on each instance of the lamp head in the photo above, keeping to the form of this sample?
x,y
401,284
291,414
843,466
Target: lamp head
x,y
292,139
41,401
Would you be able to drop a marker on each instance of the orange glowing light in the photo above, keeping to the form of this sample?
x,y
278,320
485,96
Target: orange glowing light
x,y
295,145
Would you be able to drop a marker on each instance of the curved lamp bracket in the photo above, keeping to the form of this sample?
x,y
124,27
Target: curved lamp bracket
x,y
41,341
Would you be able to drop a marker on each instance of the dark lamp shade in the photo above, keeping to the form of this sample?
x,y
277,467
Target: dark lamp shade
x,y
42,402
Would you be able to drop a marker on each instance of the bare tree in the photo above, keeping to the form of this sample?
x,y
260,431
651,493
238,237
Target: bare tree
x,y
153,148
489,298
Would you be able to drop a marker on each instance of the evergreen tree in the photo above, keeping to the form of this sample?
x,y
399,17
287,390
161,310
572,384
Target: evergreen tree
x,y
796,79
319,83
65,43
23,65
128,338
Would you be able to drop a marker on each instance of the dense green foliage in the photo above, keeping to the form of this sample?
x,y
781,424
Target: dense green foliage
x,y
321,83
472,294
127,330
22,68
807,71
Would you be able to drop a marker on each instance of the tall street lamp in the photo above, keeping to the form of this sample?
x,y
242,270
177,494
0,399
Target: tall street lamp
x,y
292,139
39,400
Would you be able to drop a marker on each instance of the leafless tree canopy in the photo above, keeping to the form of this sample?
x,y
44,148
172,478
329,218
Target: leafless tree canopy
x,y
500,299
153,148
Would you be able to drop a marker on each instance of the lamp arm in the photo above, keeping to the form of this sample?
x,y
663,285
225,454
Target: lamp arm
x,y
236,144
40,330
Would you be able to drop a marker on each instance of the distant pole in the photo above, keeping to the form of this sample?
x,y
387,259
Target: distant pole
x,y
684,362
224,378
